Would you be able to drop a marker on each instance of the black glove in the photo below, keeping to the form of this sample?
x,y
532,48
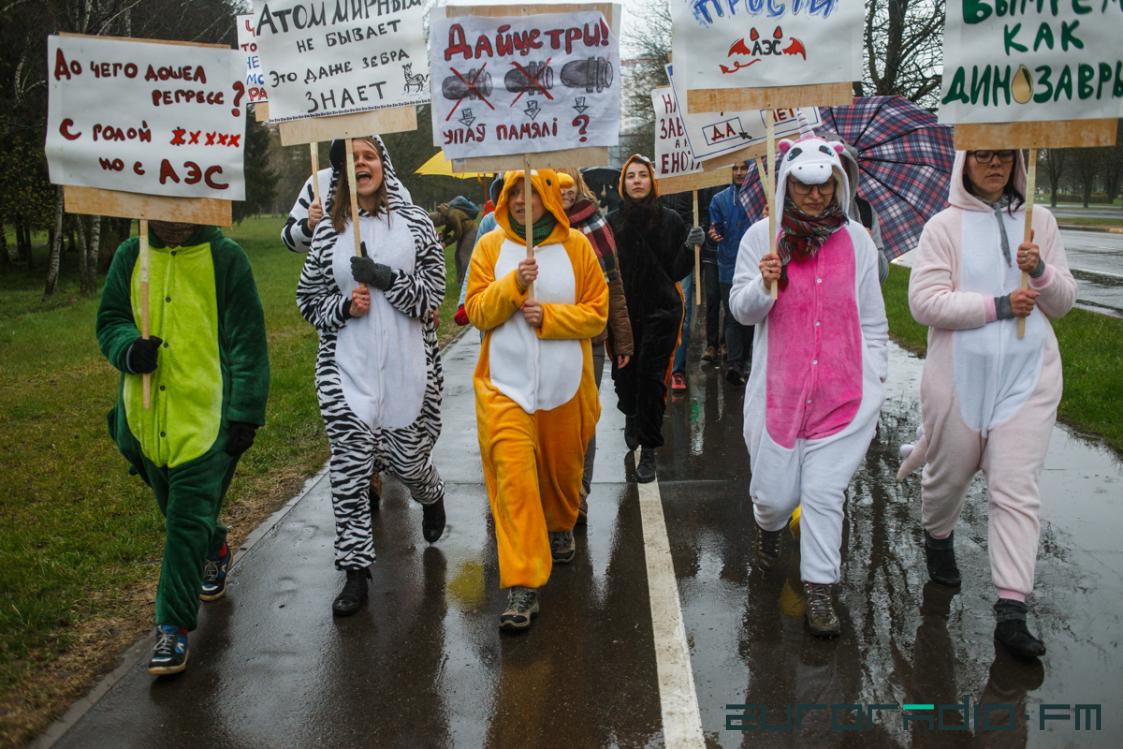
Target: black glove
x,y
141,357
365,270
239,437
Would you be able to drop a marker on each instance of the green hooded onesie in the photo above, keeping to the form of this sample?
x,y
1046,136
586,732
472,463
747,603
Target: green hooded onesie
x,y
212,370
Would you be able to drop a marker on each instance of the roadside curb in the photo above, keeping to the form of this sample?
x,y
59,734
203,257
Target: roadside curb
x,y
1100,229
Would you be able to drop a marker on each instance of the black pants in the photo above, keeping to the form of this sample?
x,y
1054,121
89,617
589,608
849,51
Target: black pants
x,y
712,290
641,387
738,337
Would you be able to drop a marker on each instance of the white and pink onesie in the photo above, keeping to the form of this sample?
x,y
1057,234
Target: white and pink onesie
x,y
819,364
988,400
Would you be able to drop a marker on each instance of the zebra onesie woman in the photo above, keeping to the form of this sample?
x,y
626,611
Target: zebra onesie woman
x,y
378,371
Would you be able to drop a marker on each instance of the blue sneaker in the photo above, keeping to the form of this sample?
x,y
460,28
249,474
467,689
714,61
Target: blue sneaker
x,y
170,654
214,575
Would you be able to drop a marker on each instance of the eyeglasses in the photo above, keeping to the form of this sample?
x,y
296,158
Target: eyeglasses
x,y
986,157
802,190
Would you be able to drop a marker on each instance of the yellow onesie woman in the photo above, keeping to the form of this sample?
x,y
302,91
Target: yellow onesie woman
x,y
536,401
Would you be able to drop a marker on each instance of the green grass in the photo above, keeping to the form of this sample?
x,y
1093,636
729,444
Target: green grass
x,y
1091,347
80,540
1091,221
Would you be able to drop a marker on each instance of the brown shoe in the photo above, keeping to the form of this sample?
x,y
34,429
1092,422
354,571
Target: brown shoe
x,y
562,546
821,618
522,607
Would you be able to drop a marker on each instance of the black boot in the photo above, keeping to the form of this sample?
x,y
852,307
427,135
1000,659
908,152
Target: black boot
x,y
433,520
354,593
645,469
939,553
631,434
1010,630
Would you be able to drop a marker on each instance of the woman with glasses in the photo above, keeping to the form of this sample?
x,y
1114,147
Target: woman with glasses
x,y
989,397
655,250
819,363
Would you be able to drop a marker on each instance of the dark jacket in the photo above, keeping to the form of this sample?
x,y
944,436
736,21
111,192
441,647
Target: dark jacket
x,y
652,259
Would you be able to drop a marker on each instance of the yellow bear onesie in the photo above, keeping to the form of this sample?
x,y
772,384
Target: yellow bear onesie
x,y
536,401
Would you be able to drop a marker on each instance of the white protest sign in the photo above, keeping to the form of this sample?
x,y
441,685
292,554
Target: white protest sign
x,y
1025,62
672,150
330,57
714,134
134,116
754,43
524,84
255,74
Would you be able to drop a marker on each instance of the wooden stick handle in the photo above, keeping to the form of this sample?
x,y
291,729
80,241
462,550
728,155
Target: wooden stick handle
x,y
353,190
314,148
1031,187
770,191
146,378
697,257
529,226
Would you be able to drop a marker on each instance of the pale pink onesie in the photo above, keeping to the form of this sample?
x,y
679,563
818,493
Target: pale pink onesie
x,y
988,400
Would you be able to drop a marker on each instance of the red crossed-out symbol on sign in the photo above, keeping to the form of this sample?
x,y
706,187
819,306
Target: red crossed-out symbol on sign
x,y
533,80
472,88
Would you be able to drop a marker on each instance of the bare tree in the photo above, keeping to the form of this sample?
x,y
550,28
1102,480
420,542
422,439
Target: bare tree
x,y
904,49
1054,159
646,71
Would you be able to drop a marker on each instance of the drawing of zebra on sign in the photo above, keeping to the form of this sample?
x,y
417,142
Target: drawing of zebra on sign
x,y
414,83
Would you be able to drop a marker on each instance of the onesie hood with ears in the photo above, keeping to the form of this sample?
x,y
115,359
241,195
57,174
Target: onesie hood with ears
x,y
812,161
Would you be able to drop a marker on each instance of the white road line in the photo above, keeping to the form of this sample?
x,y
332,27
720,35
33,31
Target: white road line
x,y
682,722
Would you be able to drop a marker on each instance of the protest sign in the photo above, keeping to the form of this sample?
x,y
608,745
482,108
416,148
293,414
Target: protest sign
x,y
675,165
721,138
133,116
761,45
1025,62
255,74
524,84
333,57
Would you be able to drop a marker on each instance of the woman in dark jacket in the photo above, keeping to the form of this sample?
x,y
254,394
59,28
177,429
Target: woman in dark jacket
x,y
654,248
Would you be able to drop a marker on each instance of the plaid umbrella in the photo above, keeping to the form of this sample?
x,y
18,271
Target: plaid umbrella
x,y
905,159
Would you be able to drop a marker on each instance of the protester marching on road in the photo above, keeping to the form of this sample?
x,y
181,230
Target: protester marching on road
x,y
581,207
378,370
820,360
208,362
654,249
536,400
989,398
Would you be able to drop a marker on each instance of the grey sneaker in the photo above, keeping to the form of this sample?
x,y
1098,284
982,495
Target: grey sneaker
x,y
562,546
821,618
522,607
766,548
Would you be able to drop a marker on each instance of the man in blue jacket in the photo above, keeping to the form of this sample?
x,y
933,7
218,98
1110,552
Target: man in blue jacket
x,y
728,223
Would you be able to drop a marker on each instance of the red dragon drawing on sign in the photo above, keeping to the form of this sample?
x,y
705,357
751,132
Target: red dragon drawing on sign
x,y
757,48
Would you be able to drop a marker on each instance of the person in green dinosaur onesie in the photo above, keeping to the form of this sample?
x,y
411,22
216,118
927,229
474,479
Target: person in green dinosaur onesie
x,y
209,369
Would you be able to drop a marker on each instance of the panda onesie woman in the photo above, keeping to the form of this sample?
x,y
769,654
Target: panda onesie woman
x,y
378,371
819,363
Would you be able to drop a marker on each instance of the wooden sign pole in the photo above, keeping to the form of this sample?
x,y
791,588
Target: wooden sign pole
x,y
528,219
353,189
697,257
1031,187
770,191
315,153
146,378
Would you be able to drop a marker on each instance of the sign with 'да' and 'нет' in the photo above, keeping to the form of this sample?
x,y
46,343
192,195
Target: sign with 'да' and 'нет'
x,y
673,156
255,74
1032,60
715,134
138,117
754,43
524,84
330,57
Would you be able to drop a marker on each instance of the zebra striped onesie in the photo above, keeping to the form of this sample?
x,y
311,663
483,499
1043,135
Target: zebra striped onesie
x,y
295,233
378,376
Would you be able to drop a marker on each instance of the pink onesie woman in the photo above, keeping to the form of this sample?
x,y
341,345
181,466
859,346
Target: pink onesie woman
x,y
819,363
988,399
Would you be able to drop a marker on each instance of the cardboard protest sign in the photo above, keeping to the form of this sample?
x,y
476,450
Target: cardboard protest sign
x,y
332,57
673,156
135,117
719,44
1024,62
524,84
255,74
715,134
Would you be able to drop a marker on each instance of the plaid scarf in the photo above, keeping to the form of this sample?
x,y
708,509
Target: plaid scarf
x,y
802,236
585,217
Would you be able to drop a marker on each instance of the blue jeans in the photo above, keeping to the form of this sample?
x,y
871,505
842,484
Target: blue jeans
x,y
688,299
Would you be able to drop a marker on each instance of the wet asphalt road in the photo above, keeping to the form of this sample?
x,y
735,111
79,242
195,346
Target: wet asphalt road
x,y
424,664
